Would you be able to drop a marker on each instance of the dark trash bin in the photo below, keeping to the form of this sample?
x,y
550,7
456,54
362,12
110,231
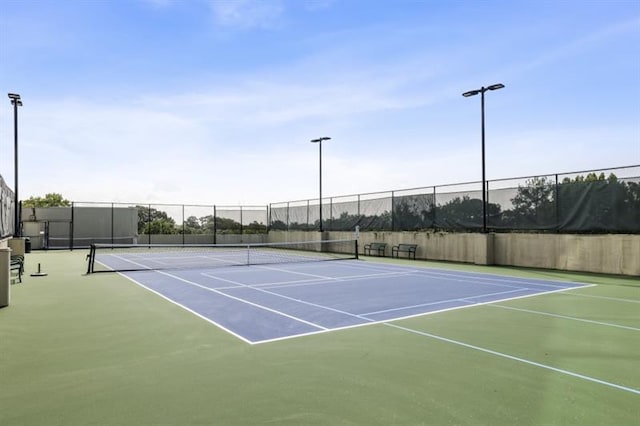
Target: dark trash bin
x,y
27,245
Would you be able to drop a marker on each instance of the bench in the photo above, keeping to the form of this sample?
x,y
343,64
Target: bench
x,y
377,248
17,264
410,249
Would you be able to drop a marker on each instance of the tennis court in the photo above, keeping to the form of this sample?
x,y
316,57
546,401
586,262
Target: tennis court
x,y
269,300
553,348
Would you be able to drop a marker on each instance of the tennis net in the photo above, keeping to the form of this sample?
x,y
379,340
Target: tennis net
x,y
138,257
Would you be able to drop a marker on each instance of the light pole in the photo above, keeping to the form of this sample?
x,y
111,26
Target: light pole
x,y
484,177
319,142
16,102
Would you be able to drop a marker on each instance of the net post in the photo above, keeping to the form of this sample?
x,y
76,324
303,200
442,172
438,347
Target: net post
x,y
91,258
356,247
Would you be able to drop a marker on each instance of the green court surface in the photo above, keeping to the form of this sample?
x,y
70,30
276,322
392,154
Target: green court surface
x,y
101,350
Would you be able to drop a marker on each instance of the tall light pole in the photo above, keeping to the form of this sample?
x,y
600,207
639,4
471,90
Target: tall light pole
x,y
319,142
484,177
16,102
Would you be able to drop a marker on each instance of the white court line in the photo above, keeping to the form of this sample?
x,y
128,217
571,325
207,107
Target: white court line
x,y
242,300
275,284
158,260
421,314
344,278
565,317
518,359
334,280
306,274
457,299
131,261
209,320
318,279
491,276
498,279
289,298
617,299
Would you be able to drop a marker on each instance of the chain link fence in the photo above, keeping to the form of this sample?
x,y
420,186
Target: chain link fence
x,y
84,223
593,201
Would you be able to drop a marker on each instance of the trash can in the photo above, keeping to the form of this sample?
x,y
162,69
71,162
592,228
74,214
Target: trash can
x,y
27,245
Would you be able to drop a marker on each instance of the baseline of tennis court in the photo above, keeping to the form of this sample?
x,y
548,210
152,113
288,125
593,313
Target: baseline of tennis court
x,y
262,303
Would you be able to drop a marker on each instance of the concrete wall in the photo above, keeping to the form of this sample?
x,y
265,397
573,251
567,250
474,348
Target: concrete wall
x,y
608,254
469,248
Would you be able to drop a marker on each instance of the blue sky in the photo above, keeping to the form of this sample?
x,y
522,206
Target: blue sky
x,y
214,102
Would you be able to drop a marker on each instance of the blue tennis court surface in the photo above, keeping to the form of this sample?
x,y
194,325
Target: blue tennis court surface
x,y
263,303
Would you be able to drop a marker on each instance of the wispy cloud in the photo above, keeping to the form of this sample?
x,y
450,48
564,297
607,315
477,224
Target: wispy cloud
x,y
247,14
158,4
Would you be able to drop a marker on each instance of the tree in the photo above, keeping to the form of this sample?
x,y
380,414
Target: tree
x,y
534,206
591,203
49,200
153,221
413,212
464,213
595,203
192,225
160,226
254,227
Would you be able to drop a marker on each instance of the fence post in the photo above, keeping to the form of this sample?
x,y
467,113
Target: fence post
x,y
112,223
486,220
268,217
393,213
557,197
435,206
215,227
330,214
71,227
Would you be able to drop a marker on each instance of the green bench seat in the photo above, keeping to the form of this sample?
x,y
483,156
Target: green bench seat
x,y
376,248
410,249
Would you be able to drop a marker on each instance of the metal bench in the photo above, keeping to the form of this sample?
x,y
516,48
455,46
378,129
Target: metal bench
x,y
17,264
377,248
410,249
